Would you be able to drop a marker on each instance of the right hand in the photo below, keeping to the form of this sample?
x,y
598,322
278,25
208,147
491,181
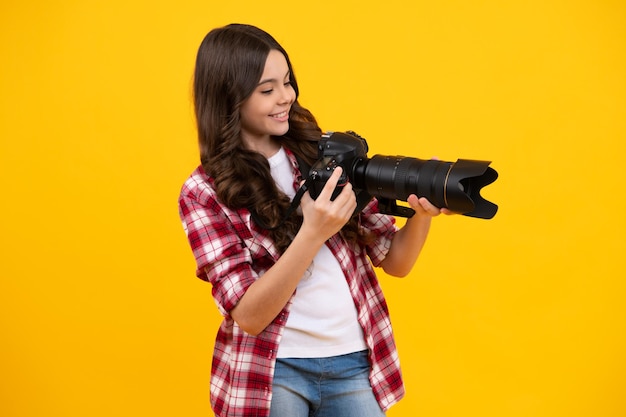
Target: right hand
x,y
323,217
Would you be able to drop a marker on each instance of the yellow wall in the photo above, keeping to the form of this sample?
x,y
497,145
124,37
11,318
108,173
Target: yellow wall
x,y
522,315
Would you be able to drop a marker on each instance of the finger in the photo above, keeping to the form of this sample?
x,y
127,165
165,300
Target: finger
x,y
346,196
428,207
331,184
413,201
422,205
344,205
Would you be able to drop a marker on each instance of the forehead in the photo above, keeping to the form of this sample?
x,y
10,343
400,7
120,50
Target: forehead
x,y
275,66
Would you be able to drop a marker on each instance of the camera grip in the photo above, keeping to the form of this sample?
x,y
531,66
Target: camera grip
x,y
320,174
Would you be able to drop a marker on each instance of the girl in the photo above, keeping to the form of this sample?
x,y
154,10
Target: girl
x,y
306,329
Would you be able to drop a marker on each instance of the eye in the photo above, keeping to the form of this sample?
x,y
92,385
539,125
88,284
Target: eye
x,y
267,92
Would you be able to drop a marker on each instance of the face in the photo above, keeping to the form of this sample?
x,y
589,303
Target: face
x,y
266,112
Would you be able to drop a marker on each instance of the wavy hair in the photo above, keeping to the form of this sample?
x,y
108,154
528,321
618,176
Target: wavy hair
x,y
229,65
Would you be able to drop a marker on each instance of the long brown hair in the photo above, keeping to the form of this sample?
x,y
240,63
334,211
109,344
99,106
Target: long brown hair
x,y
229,65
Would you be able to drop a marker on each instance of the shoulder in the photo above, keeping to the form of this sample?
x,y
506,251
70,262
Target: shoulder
x,y
198,186
199,206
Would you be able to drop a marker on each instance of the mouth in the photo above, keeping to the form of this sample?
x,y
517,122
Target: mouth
x,y
283,115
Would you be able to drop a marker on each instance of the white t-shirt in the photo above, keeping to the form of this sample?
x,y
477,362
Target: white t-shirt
x,y
323,318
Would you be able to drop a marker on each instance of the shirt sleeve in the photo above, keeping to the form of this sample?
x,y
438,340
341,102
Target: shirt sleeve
x,y
384,228
221,257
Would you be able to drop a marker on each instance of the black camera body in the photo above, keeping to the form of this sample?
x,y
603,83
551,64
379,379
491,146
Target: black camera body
x,y
455,186
347,150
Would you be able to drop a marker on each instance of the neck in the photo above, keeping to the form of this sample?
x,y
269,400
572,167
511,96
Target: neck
x,y
267,147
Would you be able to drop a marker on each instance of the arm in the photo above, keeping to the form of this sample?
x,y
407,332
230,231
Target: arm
x,y
268,295
408,242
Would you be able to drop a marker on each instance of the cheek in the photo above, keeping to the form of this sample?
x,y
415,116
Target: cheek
x,y
247,113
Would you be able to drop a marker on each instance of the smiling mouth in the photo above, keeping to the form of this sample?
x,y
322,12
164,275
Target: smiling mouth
x,y
280,115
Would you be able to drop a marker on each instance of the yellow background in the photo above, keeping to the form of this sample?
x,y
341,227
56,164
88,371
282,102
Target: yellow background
x,y
522,315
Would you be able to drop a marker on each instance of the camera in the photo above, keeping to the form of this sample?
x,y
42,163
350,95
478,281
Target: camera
x,y
453,185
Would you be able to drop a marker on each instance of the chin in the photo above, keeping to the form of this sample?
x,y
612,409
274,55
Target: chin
x,y
283,131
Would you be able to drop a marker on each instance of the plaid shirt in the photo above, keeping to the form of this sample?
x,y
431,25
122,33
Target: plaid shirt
x,y
231,252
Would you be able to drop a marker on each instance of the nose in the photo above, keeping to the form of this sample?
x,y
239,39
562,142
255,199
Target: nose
x,y
288,95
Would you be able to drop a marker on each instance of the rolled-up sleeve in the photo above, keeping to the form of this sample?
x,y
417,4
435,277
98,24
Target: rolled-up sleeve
x,y
384,228
221,257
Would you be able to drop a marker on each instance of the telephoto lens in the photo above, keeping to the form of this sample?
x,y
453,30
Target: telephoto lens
x,y
453,185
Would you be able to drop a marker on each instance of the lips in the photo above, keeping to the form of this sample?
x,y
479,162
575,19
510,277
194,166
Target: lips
x,y
282,116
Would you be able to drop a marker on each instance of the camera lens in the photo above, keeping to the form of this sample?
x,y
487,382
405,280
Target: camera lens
x,y
397,177
454,185
445,184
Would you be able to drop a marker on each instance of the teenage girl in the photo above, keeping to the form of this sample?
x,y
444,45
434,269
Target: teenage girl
x,y
306,329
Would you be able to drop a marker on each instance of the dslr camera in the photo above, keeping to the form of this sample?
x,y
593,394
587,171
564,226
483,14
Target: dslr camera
x,y
455,186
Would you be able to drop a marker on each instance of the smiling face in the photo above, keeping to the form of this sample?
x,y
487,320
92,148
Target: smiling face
x,y
266,112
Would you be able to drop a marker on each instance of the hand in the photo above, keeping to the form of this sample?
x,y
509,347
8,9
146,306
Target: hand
x,y
323,217
423,207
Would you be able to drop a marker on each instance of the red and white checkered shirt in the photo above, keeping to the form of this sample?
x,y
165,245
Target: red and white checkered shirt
x,y
231,252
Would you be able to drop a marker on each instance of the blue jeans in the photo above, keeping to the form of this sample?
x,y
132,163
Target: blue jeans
x,y
337,386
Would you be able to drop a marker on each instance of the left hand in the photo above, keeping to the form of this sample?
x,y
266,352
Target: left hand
x,y
423,207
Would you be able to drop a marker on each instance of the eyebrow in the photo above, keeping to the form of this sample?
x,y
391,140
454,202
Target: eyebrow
x,y
271,80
